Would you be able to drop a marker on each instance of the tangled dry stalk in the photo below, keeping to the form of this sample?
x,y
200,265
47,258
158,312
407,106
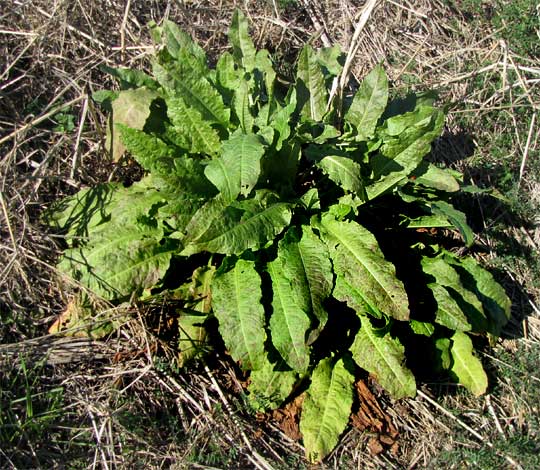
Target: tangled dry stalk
x,y
50,58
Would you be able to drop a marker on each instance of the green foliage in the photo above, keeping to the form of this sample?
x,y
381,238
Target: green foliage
x,y
326,408
297,222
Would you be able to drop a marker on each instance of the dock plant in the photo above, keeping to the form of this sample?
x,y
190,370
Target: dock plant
x,y
310,226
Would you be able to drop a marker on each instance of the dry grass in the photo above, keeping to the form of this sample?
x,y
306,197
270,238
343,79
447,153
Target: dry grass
x,y
124,407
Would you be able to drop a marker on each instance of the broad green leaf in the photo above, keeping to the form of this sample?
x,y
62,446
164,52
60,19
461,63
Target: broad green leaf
x,y
428,221
280,169
238,168
457,307
236,302
131,108
267,134
349,200
449,313
310,131
175,175
403,125
310,200
315,153
196,92
434,177
243,49
119,261
186,67
330,58
178,212
192,336
422,328
326,408
466,367
290,321
344,172
242,107
204,139
310,87
369,103
301,280
105,98
233,229
455,217
316,268
280,122
149,151
76,215
443,357
397,132
399,157
198,295
227,76
384,358
88,212
177,40
364,277
263,63
270,385
203,219
263,117
494,300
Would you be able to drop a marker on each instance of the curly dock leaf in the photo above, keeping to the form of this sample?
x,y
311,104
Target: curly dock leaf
x,y
466,367
310,87
364,277
343,171
316,269
495,302
369,103
290,320
131,108
189,122
243,49
383,357
236,302
176,40
251,223
270,385
458,308
184,81
241,106
400,155
119,261
457,218
326,408
238,168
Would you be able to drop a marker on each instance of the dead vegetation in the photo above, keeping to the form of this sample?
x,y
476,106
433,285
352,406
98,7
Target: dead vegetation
x,y
123,404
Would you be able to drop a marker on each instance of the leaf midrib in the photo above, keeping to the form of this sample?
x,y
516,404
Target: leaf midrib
x,y
326,406
240,309
244,224
458,356
359,259
273,275
368,332
337,162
